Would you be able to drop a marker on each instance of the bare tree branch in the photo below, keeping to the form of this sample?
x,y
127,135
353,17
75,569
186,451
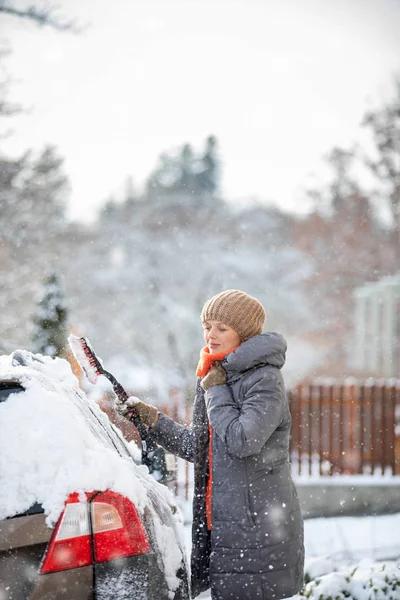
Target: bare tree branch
x,y
43,15
7,108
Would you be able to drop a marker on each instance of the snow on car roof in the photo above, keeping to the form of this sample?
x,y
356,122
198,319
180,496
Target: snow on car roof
x,y
55,440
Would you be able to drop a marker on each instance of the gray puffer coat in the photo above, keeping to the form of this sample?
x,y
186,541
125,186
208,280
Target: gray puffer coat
x,y
255,551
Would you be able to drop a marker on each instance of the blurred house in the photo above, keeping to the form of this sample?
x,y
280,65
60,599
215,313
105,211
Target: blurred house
x,y
377,327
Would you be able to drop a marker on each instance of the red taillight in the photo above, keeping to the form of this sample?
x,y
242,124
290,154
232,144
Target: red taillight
x,y
117,528
70,545
112,526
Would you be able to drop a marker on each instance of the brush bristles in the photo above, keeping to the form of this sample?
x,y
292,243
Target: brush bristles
x,y
85,357
94,363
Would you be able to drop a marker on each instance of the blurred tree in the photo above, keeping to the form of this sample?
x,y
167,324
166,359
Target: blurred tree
x,y
33,230
343,190
208,174
130,194
184,173
384,124
42,15
46,186
186,181
164,177
342,193
50,321
348,244
109,208
7,108
33,193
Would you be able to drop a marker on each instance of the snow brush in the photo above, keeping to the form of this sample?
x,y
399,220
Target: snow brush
x,y
92,368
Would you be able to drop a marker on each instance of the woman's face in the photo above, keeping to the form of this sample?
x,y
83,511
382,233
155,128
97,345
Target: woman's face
x,y
219,337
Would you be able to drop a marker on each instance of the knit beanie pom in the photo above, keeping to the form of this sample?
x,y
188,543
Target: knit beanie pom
x,y
238,310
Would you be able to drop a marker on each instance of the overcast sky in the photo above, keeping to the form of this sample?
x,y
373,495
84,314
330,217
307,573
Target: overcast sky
x,y
279,82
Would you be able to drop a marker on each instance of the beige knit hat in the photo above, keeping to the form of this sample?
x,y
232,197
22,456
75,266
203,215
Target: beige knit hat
x,y
237,309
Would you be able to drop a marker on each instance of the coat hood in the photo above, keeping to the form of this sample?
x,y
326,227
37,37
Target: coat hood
x,y
260,350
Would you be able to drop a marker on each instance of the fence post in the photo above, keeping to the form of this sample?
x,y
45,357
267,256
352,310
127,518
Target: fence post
x,y
363,424
391,425
300,426
331,409
310,402
320,401
396,419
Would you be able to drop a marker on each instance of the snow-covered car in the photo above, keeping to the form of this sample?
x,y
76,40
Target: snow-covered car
x,y
79,518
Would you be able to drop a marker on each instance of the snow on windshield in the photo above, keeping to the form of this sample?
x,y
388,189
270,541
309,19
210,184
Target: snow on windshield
x,y
55,440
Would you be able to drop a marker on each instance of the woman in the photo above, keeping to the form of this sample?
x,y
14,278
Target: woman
x,y
247,534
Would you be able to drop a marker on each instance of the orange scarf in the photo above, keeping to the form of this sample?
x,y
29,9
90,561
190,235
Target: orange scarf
x,y
207,361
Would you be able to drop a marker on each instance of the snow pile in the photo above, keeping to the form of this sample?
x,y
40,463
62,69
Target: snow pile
x,y
351,539
55,441
374,581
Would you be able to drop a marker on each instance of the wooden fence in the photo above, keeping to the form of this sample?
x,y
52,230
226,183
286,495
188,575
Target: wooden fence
x,y
349,428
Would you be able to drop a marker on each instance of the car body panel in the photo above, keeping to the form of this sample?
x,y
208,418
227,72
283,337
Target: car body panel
x,y
19,571
65,585
23,531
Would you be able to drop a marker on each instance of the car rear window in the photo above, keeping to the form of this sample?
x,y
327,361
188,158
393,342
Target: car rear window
x,y
9,388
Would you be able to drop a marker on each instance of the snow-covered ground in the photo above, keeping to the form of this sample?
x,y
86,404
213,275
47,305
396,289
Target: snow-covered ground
x,y
336,546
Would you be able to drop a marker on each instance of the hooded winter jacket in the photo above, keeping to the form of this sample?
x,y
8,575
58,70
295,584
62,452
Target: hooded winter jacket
x,y
255,548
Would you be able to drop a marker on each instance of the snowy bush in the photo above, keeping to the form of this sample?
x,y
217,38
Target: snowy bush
x,y
371,582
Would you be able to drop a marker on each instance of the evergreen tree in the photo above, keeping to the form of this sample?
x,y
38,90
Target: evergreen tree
x,y
185,172
209,171
186,181
164,177
50,322
130,194
45,190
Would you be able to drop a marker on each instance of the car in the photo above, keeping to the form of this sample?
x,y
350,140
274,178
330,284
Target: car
x,y
80,519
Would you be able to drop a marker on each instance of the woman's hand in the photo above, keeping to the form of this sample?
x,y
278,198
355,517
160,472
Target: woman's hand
x,y
215,376
147,413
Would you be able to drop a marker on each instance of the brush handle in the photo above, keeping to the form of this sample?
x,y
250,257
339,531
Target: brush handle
x,y
148,444
120,392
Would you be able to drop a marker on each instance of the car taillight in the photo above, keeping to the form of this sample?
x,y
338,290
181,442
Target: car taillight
x,y
117,529
70,545
107,521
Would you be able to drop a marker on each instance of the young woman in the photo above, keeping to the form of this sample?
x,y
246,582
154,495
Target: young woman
x,y
247,534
